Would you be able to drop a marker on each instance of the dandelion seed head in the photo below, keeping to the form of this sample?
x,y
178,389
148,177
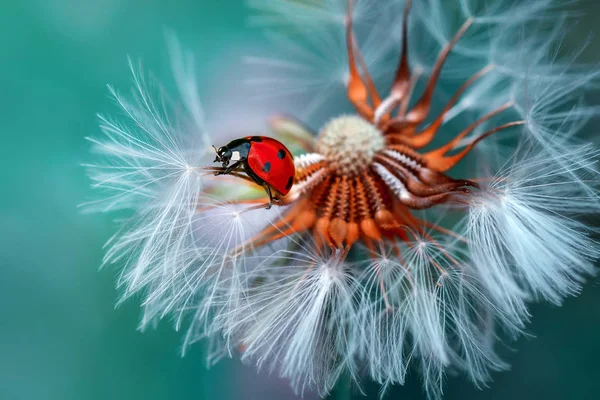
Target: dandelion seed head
x,y
389,252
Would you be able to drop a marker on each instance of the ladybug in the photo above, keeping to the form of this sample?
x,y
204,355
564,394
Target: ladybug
x,y
267,161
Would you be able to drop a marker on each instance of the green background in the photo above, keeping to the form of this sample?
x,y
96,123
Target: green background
x,y
60,336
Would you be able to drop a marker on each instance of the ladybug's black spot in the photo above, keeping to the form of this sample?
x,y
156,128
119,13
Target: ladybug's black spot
x,y
256,139
267,167
288,186
281,154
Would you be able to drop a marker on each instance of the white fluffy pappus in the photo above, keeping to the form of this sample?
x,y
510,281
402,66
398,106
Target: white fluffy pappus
x,y
177,246
145,165
300,317
425,305
527,230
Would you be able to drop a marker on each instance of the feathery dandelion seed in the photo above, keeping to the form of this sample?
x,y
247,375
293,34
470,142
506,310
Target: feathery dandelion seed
x,y
418,223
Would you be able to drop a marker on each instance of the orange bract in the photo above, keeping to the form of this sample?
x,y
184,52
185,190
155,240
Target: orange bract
x,y
366,175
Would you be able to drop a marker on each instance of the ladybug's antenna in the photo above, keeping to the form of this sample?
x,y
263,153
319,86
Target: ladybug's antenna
x,y
217,158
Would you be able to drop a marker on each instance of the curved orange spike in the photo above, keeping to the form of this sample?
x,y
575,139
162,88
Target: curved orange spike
x,y
420,111
369,81
424,137
402,78
402,81
439,152
357,90
443,164
411,87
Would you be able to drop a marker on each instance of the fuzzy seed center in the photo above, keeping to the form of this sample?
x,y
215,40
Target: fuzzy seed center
x,y
349,143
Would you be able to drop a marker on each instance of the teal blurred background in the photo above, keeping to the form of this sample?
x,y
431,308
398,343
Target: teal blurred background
x,y
60,335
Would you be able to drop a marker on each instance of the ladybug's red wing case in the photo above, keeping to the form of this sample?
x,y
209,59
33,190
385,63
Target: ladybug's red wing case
x,y
271,161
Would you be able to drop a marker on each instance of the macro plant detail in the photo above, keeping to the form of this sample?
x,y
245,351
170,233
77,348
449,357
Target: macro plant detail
x,y
377,260
363,175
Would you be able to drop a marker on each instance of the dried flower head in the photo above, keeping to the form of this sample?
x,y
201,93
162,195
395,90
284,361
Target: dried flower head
x,y
377,259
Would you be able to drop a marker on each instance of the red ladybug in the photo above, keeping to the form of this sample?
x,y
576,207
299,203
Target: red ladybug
x,y
267,161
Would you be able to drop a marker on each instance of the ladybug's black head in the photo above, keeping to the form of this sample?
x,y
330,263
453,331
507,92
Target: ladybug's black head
x,y
223,155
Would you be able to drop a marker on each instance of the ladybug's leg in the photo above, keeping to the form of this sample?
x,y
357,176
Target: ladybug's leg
x,y
229,169
260,182
268,190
